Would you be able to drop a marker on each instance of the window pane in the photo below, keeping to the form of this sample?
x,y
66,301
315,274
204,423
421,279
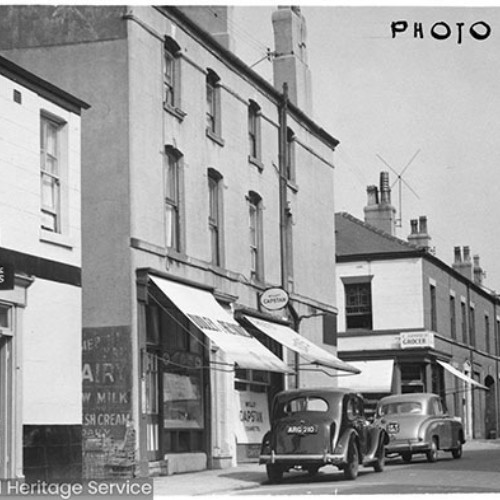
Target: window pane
x,y
171,226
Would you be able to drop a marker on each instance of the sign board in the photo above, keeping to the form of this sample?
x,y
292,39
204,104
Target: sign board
x,y
274,299
415,340
6,277
252,420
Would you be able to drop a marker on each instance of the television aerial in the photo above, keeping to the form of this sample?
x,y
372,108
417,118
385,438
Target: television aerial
x,y
401,181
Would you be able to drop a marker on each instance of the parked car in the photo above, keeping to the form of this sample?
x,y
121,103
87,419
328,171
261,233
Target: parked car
x,y
417,423
311,428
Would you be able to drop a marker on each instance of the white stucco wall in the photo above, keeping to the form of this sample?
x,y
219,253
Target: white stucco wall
x,y
397,297
52,354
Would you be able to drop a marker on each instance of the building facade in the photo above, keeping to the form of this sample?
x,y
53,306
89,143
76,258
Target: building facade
x,y
203,187
40,278
413,323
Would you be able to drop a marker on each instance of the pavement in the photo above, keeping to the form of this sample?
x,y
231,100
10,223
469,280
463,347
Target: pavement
x,y
242,477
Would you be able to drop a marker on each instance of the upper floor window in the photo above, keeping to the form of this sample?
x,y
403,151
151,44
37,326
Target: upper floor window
x,y
172,171
472,326
213,108
171,77
453,318
254,132
487,332
290,155
463,313
215,215
256,236
50,173
433,308
358,305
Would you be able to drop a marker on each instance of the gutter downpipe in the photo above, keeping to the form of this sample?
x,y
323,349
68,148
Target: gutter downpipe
x,y
283,204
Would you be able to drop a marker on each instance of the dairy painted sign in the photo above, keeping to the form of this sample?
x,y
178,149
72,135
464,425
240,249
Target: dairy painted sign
x,y
412,340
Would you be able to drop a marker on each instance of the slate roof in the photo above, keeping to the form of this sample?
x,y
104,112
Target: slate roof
x,y
355,237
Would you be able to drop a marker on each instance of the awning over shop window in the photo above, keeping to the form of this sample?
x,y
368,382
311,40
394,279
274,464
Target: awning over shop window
x,y
375,376
201,308
304,347
461,375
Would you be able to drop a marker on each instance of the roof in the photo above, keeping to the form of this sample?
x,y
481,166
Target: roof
x,y
355,237
41,87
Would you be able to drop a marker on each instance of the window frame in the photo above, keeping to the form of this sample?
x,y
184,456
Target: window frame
x,y
213,107
172,83
215,217
433,306
172,162
453,317
355,289
256,236
55,177
254,134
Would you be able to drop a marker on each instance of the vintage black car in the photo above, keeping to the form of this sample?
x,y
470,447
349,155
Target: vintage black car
x,y
311,428
417,423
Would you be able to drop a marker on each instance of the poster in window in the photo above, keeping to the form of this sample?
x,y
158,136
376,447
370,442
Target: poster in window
x,y
253,416
182,402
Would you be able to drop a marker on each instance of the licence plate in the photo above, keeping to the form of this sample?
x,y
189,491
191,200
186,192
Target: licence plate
x,y
393,427
302,429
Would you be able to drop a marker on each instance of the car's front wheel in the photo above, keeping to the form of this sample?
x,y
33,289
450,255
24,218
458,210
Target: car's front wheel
x,y
432,454
457,452
351,468
274,473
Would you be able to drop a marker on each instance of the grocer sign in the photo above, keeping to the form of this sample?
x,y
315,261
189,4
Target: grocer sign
x,y
412,340
274,298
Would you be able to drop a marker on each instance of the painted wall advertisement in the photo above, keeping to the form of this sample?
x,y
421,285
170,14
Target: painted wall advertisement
x,y
253,417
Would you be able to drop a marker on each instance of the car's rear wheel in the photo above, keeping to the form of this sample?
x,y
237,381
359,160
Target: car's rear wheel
x,y
432,454
457,452
379,464
406,457
351,468
274,473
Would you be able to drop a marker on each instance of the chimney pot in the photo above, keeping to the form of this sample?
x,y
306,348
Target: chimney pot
x,y
372,192
458,255
414,226
423,224
385,190
466,254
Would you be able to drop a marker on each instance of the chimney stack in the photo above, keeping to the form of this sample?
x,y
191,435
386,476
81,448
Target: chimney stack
x,y
479,274
215,19
381,214
463,263
290,58
419,236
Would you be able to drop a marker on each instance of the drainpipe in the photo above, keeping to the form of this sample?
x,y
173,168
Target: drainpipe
x,y
283,204
497,354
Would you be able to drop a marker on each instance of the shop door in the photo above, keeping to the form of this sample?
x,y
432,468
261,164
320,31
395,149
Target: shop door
x,y
152,405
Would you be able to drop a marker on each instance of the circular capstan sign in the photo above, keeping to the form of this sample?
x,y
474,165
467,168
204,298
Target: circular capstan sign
x,y
274,298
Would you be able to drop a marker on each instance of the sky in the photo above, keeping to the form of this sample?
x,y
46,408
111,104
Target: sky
x,y
426,106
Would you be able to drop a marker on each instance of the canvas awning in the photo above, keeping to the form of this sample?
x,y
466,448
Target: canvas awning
x,y
201,308
461,375
302,346
375,376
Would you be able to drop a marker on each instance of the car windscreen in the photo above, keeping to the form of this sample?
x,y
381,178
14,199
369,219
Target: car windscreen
x,y
301,404
400,408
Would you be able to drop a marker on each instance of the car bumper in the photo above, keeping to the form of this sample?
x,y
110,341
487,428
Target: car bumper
x,y
299,459
405,446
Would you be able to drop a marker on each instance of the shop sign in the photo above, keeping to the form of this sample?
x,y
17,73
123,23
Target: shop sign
x,y
6,277
274,299
415,340
252,420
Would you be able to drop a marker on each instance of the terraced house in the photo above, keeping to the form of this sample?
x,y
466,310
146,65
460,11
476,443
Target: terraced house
x,y
203,187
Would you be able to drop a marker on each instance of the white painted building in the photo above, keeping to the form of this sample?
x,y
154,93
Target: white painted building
x,y
40,278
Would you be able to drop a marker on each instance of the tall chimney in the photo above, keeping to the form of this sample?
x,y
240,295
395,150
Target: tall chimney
x,y
419,236
290,59
463,265
381,215
215,19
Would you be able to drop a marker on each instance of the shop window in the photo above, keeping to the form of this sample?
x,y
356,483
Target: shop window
x,y
5,317
358,305
252,380
412,378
